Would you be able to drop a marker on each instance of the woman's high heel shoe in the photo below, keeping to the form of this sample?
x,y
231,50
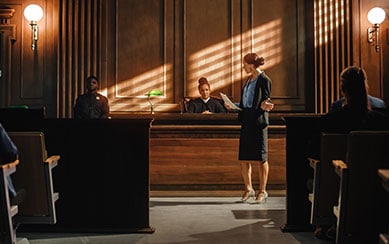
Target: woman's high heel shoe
x,y
261,197
247,194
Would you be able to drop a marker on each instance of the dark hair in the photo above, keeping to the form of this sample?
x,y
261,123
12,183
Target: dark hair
x,y
92,77
253,58
354,88
203,81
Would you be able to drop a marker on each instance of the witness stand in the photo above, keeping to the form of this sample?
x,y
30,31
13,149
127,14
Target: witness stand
x,y
103,174
102,177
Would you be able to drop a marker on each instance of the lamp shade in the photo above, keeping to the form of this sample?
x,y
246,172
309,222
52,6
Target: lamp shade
x,y
33,12
376,15
154,93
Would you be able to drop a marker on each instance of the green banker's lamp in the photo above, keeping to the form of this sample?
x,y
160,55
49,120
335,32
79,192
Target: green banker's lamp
x,y
153,93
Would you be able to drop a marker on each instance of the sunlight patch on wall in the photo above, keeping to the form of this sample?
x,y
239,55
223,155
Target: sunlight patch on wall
x,y
221,63
329,17
139,85
212,62
267,42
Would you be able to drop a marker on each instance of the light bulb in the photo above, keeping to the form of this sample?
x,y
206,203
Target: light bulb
x,y
376,15
33,12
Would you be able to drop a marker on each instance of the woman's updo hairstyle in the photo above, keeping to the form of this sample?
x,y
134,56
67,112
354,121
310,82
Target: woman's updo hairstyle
x,y
203,81
253,58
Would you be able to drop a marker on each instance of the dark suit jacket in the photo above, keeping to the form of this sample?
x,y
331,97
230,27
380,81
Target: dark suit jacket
x,y
262,92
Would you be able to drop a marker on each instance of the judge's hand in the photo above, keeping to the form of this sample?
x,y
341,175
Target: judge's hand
x,y
227,106
267,105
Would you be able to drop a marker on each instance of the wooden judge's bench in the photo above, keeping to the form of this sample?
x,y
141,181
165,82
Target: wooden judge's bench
x,y
200,152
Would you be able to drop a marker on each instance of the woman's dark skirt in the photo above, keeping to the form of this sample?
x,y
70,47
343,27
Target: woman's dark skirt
x,y
253,142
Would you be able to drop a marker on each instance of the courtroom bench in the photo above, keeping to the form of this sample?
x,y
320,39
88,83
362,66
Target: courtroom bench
x,y
361,197
325,190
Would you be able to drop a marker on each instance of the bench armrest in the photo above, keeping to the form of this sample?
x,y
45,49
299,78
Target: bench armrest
x,y
10,165
384,175
313,162
52,159
339,166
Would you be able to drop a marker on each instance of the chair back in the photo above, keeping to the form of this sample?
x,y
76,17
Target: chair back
x,y
34,175
367,152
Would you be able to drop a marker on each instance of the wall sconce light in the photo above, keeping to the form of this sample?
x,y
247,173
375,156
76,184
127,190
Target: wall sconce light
x,y
153,93
375,16
33,13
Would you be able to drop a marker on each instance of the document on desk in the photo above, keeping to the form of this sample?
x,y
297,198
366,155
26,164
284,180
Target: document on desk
x,y
229,102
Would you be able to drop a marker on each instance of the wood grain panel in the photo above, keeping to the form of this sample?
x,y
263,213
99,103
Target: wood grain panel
x,y
209,41
144,54
79,50
333,47
207,161
275,35
7,38
32,62
374,63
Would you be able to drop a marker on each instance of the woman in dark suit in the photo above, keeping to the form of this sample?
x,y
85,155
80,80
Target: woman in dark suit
x,y
254,117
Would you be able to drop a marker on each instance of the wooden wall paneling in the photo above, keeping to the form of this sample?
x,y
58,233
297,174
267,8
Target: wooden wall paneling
x,y
32,62
210,46
145,52
107,65
234,89
79,53
7,39
274,30
245,43
179,55
61,60
385,58
26,72
307,16
332,49
50,60
374,63
204,158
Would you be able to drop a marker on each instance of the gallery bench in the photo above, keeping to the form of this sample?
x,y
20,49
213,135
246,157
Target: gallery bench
x,y
361,194
325,181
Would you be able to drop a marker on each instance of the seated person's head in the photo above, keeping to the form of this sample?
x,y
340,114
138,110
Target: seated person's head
x,y
353,86
204,88
92,84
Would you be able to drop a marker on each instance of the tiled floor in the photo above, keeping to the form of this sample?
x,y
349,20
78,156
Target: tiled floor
x,y
196,220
